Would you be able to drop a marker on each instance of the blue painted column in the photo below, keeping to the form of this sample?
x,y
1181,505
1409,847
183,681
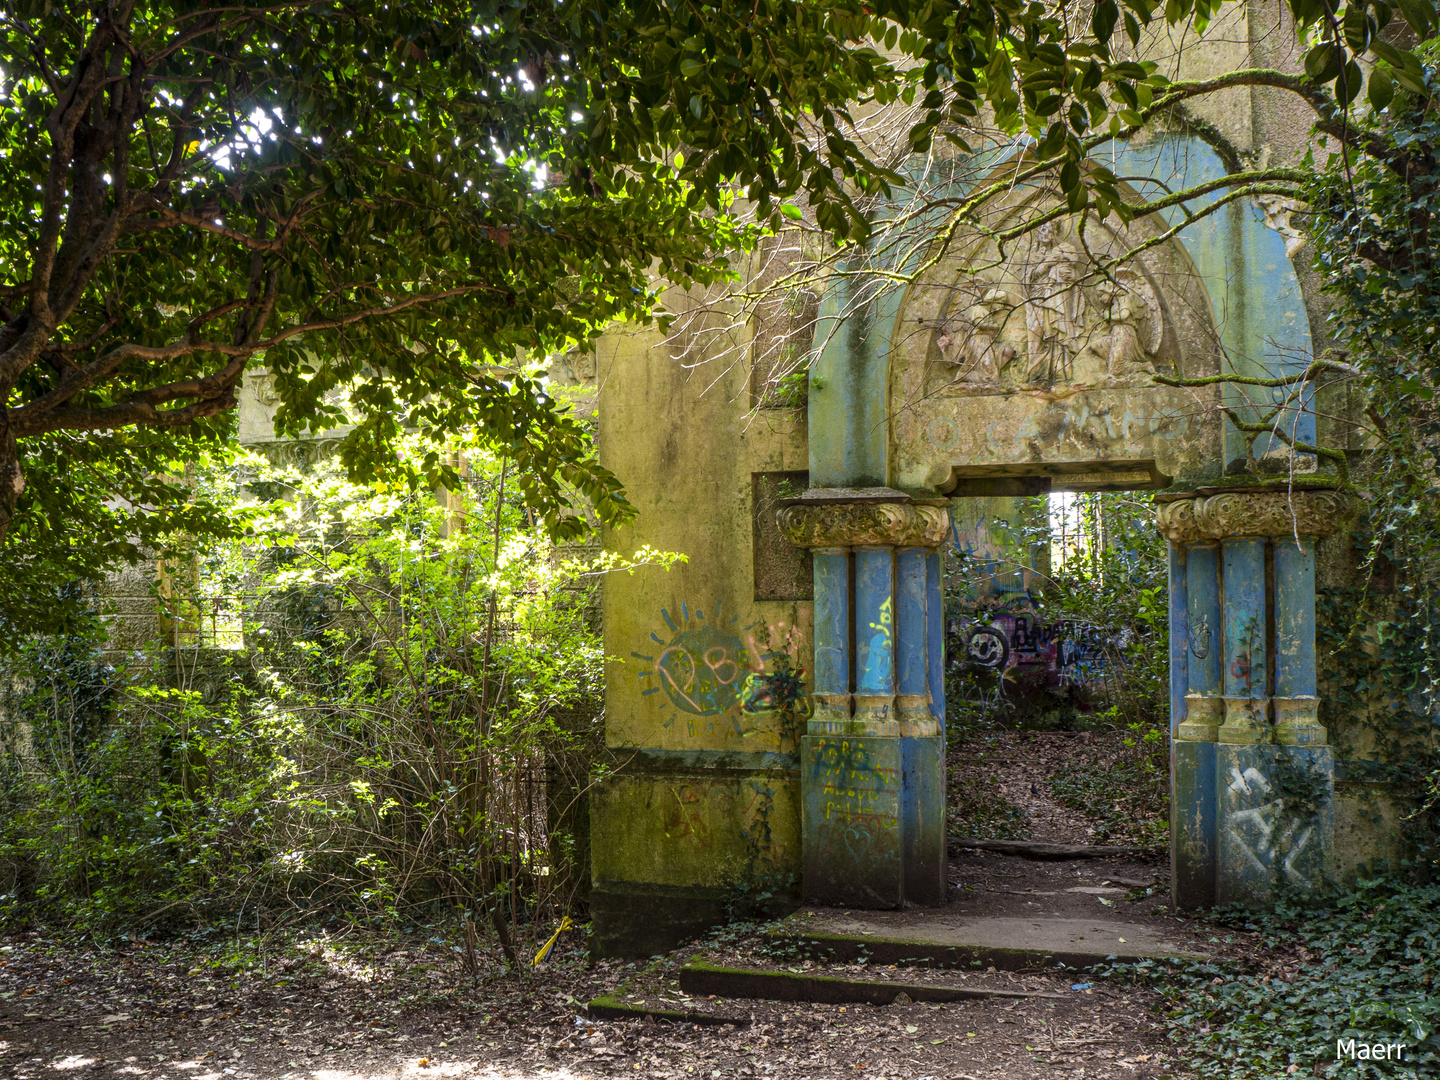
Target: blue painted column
x,y
832,641
1297,705
1244,677
872,761
935,636
1179,618
922,748
1204,708
912,641
875,642
1193,795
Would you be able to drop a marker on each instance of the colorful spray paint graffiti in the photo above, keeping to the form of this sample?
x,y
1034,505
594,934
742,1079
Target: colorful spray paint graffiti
x,y
1021,646
986,549
716,671
859,803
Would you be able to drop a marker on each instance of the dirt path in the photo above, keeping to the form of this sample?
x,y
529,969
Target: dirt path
x,y
354,1005
344,1008
1000,786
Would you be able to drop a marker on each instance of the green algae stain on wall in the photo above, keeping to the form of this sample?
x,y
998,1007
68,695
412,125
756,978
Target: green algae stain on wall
x,y
694,829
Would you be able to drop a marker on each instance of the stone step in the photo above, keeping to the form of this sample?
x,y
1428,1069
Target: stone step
x,y
614,1007
701,978
938,937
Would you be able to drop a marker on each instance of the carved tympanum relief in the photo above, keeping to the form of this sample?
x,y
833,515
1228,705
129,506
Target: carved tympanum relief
x,y
1062,329
1046,316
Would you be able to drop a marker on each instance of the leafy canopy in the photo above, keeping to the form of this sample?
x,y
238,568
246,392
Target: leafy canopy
x,y
406,202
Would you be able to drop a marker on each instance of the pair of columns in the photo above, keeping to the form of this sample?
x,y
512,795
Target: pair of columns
x,y
873,756
1244,703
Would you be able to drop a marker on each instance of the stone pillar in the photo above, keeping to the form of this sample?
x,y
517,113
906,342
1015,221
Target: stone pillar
x,y
912,645
1244,681
935,635
875,641
832,640
872,758
1195,705
1234,838
1196,734
1297,706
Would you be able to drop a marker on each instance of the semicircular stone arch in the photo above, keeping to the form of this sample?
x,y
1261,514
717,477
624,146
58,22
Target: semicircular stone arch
x,y
1037,357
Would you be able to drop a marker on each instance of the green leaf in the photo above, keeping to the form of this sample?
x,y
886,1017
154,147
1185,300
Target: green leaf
x,y
1102,22
790,210
1382,88
1420,14
1347,85
1323,62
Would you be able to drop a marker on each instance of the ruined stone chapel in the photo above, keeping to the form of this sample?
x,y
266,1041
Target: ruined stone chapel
x,y
815,525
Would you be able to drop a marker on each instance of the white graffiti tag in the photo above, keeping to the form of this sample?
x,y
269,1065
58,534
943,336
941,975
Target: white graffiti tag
x,y
1254,830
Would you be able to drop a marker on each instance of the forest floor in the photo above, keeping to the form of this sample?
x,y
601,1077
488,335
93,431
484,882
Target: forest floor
x,y
352,1004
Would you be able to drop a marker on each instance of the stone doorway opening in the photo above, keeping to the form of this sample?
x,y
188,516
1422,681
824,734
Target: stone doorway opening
x,y
1057,670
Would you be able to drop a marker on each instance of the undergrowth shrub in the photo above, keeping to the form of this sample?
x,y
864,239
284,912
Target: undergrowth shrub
x,y
409,729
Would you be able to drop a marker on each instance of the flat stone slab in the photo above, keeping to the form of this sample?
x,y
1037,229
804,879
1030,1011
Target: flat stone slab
x,y
702,978
945,938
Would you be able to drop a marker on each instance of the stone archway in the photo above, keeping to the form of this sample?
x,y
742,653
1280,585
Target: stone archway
x,y
1017,361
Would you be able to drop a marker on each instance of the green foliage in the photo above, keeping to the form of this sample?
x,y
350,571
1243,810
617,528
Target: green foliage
x,y
379,747
1362,965
1378,255
979,808
94,503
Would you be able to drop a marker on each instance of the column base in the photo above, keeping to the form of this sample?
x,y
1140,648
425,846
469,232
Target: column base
x,y
875,715
913,713
1297,721
1203,716
850,821
831,715
1245,721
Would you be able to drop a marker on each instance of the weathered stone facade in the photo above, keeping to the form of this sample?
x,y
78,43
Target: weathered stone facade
x,y
995,374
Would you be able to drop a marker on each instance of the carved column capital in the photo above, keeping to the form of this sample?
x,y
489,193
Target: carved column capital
x,y
1237,514
1176,521
820,525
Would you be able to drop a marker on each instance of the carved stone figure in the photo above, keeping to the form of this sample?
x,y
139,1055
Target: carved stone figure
x,y
1055,310
1278,210
1054,316
972,341
1130,333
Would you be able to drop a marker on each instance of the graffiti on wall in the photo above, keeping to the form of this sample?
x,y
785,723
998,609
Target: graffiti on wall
x,y
987,561
1017,643
858,802
716,671
1263,834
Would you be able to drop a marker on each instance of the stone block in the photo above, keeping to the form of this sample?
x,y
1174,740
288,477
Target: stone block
x,y
1192,824
1276,821
850,820
923,820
